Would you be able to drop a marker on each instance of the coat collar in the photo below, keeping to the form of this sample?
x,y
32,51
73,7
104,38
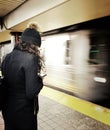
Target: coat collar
x,y
17,47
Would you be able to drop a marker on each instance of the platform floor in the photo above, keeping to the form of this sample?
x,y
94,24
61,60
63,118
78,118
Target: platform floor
x,y
55,116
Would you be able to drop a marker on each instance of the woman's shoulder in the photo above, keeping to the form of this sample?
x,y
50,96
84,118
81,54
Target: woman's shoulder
x,y
29,55
6,57
23,54
28,58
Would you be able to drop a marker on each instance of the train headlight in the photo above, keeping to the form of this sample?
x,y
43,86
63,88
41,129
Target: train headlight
x,y
100,79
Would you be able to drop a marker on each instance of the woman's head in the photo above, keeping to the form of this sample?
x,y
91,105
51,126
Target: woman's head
x,y
30,42
31,34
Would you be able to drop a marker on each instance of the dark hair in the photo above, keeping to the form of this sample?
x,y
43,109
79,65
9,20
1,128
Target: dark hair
x,y
33,49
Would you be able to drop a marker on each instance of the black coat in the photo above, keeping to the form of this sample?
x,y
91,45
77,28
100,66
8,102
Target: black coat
x,y
20,71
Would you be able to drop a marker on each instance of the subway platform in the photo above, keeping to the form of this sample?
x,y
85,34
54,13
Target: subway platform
x,y
54,115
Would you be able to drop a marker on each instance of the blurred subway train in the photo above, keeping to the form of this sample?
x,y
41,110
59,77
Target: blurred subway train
x,y
75,43
78,59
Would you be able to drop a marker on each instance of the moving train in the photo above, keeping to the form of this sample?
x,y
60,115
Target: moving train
x,y
78,59
75,43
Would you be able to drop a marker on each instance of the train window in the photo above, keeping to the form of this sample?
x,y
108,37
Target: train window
x,y
94,52
67,53
98,51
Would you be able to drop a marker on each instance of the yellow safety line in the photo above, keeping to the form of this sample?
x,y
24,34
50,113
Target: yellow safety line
x,y
97,112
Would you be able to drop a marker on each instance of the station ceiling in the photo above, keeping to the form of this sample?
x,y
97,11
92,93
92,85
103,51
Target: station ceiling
x,y
16,14
50,14
7,6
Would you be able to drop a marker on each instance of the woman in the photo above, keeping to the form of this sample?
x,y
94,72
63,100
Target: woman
x,y
21,69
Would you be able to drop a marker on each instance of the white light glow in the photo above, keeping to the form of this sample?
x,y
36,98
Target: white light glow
x,y
55,49
100,79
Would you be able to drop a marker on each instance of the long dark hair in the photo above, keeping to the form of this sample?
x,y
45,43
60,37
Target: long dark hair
x,y
33,49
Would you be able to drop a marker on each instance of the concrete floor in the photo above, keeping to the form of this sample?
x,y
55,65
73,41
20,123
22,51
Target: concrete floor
x,y
54,116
